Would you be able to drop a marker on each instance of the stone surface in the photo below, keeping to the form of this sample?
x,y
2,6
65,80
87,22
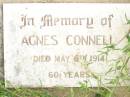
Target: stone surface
x,y
35,44
39,1
65,92
1,46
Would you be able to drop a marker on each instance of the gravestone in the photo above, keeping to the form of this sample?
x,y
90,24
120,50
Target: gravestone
x,y
47,45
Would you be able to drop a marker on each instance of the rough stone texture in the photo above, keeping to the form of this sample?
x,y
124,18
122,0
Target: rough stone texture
x,y
1,46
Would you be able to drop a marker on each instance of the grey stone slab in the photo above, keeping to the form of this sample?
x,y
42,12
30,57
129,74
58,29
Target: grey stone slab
x,y
1,46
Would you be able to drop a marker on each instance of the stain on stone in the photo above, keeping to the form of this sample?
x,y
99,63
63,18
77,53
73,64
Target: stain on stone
x,y
17,69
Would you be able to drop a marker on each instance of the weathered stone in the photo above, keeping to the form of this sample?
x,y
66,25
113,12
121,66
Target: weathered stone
x,y
64,66
1,46
121,92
